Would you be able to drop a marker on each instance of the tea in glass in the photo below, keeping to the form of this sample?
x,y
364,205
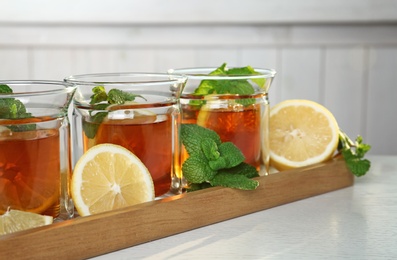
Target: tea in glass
x,y
35,164
236,106
147,125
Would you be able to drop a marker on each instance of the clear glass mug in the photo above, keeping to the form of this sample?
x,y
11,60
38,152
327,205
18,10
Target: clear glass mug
x,y
148,126
35,160
237,118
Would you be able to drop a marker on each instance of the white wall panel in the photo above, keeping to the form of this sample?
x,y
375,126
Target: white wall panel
x,y
259,57
173,58
201,12
214,57
14,63
344,87
80,63
301,73
381,106
348,67
135,60
145,36
264,58
101,60
50,64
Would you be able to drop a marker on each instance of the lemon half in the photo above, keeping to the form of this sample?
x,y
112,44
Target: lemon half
x,y
301,133
109,177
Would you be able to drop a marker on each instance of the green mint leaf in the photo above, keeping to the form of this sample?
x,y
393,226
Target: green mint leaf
x,y
210,160
116,96
361,148
243,168
220,71
192,136
356,164
5,89
210,149
22,127
18,110
353,154
231,153
102,106
91,128
235,181
220,163
238,86
196,170
11,108
248,71
359,167
99,95
206,87
198,186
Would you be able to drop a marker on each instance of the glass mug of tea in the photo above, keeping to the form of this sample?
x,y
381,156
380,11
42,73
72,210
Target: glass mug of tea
x,y
234,103
35,163
140,113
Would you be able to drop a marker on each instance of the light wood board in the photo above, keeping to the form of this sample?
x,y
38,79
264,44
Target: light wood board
x,y
90,236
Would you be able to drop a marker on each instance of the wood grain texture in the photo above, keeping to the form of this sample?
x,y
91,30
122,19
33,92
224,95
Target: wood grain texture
x,y
85,237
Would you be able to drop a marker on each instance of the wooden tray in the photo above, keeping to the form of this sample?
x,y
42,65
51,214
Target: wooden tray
x,y
90,236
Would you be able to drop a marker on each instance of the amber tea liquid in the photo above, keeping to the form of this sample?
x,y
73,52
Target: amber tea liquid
x,y
30,178
240,126
148,136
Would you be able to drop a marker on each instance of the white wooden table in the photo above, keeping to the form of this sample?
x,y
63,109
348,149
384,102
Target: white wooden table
x,y
358,222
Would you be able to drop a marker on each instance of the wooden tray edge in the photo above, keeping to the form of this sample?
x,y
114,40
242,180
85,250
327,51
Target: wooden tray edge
x,y
103,233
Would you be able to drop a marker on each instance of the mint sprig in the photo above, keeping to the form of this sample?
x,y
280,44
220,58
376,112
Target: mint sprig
x,y
11,108
234,86
213,163
5,89
353,153
114,96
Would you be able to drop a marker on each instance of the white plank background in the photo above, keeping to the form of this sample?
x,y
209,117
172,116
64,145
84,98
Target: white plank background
x,y
342,54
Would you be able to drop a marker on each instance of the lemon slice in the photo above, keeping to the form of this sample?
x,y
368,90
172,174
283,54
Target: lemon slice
x,y
15,220
301,133
209,112
140,115
109,177
203,115
4,131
